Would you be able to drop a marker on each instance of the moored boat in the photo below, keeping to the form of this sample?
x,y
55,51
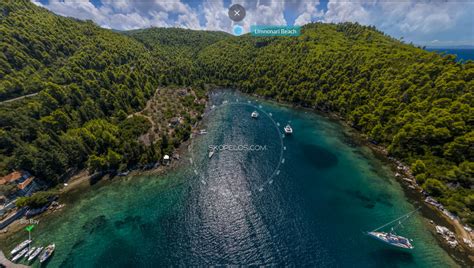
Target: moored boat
x,y
48,251
35,253
254,114
391,238
30,252
20,246
288,129
211,153
19,255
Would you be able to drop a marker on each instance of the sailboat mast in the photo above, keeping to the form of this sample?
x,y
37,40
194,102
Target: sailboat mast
x,y
402,217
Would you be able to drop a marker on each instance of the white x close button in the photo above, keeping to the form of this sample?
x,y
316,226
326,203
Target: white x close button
x,y
236,12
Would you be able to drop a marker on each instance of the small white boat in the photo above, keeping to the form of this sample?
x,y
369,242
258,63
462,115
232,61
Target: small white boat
x,y
35,254
48,251
254,114
123,174
19,255
30,252
211,153
20,246
288,129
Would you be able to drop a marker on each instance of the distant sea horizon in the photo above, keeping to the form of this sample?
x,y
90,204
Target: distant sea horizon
x,y
461,53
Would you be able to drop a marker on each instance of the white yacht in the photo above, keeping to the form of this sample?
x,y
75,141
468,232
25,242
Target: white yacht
x,y
19,255
288,129
254,114
30,252
35,254
20,246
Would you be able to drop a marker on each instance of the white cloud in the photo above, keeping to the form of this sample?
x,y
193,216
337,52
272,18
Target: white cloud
x,y
262,13
342,11
419,21
127,15
37,2
417,16
308,12
257,12
79,9
216,16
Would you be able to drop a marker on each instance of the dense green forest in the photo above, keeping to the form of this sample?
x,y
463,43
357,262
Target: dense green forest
x,y
177,38
90,80
179,46
417,104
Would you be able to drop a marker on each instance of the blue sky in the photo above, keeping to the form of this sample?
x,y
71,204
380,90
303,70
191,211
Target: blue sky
x,y
423,22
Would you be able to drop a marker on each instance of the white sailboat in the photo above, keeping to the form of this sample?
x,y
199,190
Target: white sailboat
x,y
391,238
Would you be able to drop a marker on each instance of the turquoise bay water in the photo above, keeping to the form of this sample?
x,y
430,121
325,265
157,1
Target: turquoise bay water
x,y
304,201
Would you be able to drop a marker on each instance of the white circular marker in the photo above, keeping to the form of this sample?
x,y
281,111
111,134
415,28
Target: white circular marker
x,y
209,154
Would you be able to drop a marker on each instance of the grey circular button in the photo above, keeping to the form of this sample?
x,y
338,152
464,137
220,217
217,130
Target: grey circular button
x,y
236,12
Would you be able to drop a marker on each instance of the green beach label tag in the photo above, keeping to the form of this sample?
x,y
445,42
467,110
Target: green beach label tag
x,y
260,30
29,228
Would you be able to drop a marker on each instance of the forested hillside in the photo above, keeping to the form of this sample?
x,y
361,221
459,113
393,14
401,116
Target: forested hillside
x,y
179,46
177,38
90,80
38,47
416,103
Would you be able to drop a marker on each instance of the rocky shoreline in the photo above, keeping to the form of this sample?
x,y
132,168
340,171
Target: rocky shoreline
x,y
463,251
